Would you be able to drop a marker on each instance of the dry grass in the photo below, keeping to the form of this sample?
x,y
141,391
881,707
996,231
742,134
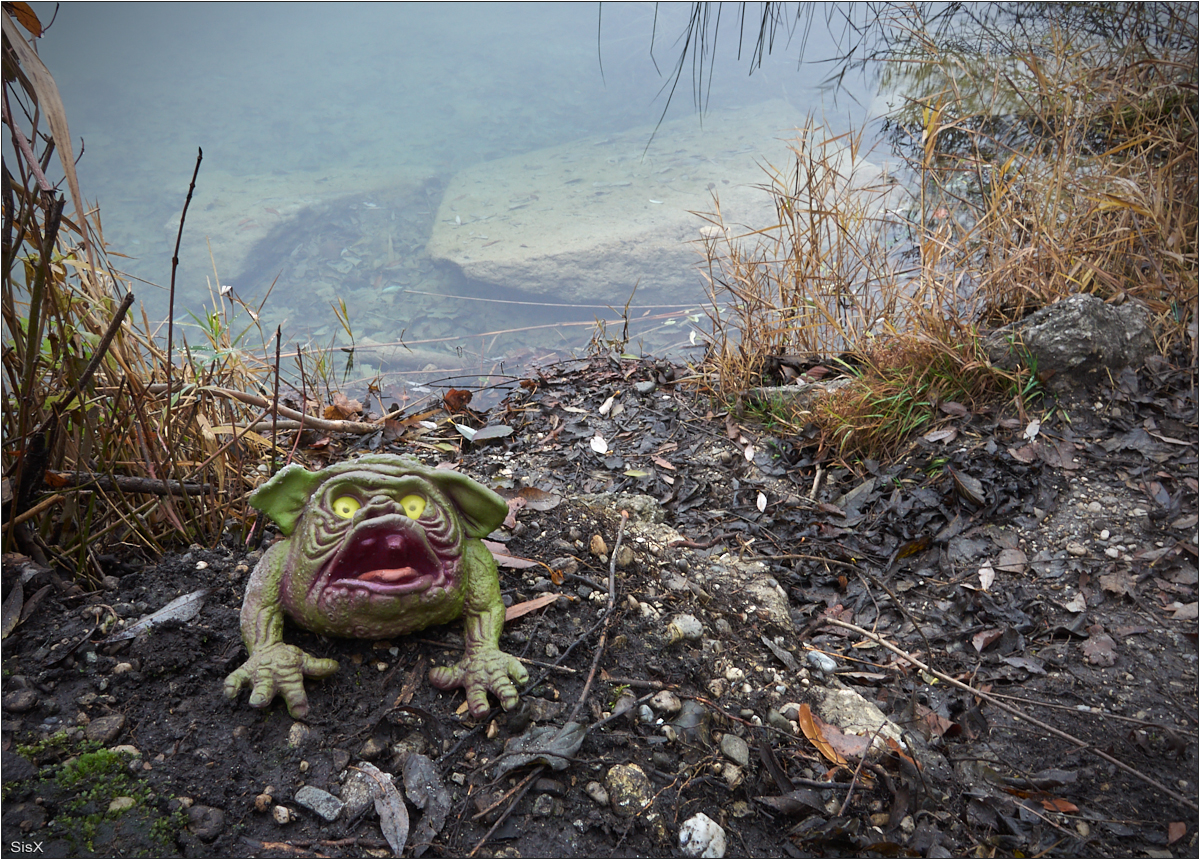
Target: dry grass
x,y
1052,168
96,454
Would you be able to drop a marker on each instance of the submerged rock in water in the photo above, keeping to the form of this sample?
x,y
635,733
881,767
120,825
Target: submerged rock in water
x,y
590,220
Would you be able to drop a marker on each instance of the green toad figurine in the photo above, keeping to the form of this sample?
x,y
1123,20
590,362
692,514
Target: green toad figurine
x,y
375,547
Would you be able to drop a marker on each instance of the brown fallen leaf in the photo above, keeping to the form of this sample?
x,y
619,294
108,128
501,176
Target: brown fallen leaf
x,y
1012,561
528,606
984,638
516,562
1026,453
456,399
1057,804
342,407
1176,831
1100,649
815,736
1119,582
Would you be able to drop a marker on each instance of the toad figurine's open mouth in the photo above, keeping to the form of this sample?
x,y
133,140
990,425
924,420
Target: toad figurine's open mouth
x,y
388,559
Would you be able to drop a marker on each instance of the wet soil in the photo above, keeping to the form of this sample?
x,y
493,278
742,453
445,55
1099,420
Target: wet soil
x,y
1052,571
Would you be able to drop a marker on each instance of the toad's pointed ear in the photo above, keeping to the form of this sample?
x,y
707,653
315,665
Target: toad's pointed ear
x,y
479,509
284,496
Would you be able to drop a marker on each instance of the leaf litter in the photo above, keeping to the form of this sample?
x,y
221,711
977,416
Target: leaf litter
x,y
896,548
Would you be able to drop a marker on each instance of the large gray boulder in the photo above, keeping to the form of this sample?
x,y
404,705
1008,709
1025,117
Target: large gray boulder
x,y
1076,342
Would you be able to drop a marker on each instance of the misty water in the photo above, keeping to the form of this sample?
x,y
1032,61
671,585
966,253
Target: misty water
x,y
332,132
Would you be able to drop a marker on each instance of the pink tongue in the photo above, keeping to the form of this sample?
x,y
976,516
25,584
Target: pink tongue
x,y
393,575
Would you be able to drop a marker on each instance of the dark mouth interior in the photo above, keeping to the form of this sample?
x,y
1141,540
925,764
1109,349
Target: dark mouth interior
x,y
383,557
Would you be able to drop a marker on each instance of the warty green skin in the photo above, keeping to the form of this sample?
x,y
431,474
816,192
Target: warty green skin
x,y
289,580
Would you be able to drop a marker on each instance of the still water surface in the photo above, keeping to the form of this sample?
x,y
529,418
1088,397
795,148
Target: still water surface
x,y
331,131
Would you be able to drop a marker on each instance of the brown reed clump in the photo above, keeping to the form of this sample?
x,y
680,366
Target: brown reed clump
x,y
1061,164
96,453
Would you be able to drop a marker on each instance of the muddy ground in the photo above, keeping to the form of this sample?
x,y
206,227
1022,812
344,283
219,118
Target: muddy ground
x,y
1055,572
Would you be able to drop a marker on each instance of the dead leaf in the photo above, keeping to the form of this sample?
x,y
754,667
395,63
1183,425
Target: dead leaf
x,y
425,789
342,407
1119,582
1026,453
181,609
455,400
12,609
1176,831
795,802
546,745
969,488
984,638
955,409
1057,804
1100,649
811,731
761,502
492,431
514,505
528,606
946,434
500,552
659,461
28,18
1187,612
1078,603
1012,561
393,814
540,500
987,575
598,444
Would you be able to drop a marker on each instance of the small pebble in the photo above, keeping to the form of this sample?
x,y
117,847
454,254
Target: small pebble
x,y
821,662
1076,549
596,792
281,814
735,749
700,836
1105,534
684,627
666,701
1112,552
319,801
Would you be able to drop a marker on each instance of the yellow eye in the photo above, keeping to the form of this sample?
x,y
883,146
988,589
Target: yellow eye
x,y
346,506
414,506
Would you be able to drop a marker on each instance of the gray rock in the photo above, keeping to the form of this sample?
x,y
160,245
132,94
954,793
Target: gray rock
x,y
319,801
667,702
628,789
1077,340
20,701
821,662
105,729
15,767
205,822
357,794
735,749
852,713
590,219
747,582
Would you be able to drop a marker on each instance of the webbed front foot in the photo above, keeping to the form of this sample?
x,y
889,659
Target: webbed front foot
x,y
278,669
486,670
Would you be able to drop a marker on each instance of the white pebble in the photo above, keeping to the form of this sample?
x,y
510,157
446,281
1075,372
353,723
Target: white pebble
x,y
700,836
1105,534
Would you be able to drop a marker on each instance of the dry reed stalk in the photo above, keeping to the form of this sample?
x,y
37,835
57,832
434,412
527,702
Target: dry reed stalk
x,y
1052,167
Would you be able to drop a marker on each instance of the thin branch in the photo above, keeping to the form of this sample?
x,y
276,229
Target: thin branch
x,y
1017,713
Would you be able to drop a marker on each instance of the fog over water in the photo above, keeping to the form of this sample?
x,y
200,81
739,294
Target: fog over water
x,y
331,131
